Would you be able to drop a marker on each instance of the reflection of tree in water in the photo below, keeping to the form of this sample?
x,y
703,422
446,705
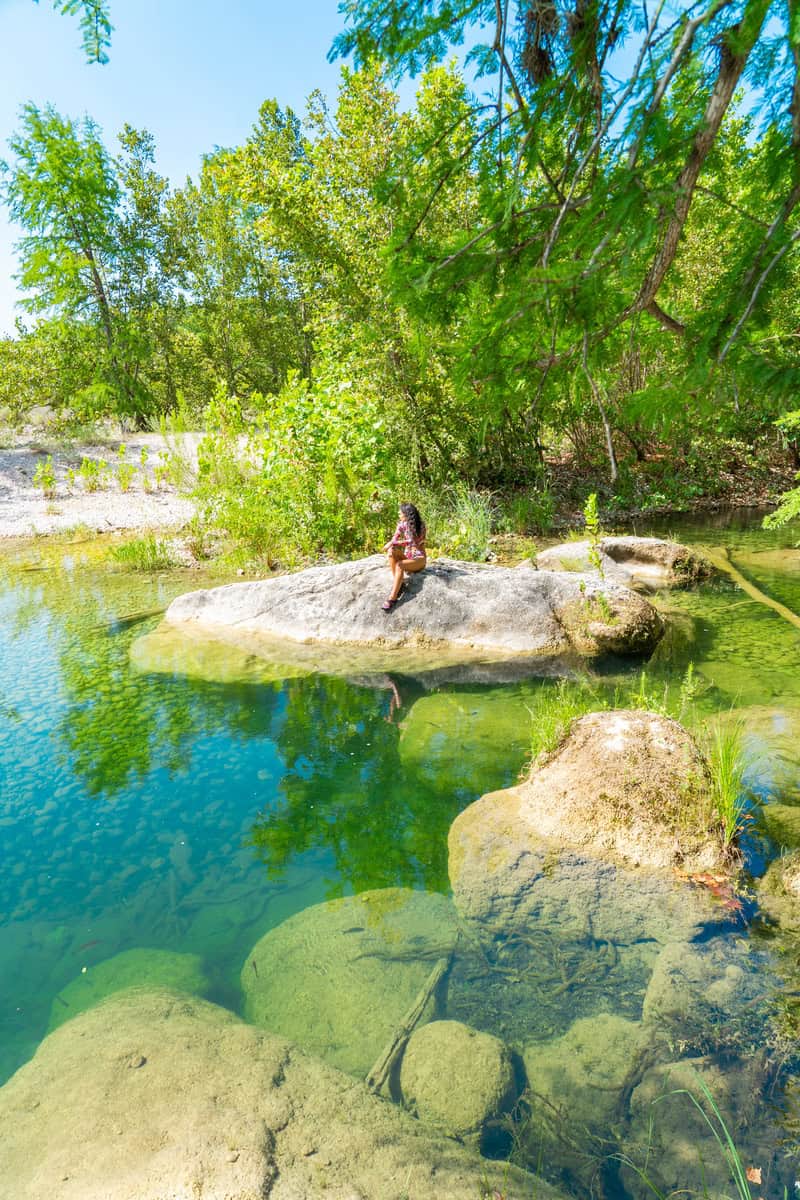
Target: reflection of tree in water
x,y
345,790
118,725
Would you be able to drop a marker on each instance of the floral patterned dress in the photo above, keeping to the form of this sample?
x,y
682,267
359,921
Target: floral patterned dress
x,y
413,547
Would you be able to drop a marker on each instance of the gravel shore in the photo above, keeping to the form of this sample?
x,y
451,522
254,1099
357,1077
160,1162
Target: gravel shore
x,y
149,503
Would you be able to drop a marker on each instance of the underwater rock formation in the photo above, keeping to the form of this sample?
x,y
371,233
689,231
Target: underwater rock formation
x,y
672,1135
779,891
338,978
588,845
158,1096
468,608
630,560
692,984
461,741
456,1078
143,968
577,1081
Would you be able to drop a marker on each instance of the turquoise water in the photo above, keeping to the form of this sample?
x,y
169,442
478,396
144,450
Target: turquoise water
x,y
182,815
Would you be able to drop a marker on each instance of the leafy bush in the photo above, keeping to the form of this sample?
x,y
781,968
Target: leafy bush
x,y
125,471
93,473
45,477
319,473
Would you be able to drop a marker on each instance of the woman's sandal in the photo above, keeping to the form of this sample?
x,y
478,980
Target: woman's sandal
x,y
388,605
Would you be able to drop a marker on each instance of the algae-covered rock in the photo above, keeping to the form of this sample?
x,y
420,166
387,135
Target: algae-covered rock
x,y
674,1129
589,843
468,607
779,891
141,968
577,1080
459,742
156,1096
170,651
650,561
338,978
781,822
457,1078
691,984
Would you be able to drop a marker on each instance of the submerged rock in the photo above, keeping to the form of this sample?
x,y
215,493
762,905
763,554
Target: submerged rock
x,y
457,1078
466,741
156,1096
578,1081
781,823
630,560
694,984
338,978
588,845
779,891
674,1130
469,608
143,968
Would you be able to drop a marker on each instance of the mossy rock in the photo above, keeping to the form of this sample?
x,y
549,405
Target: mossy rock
x,y
457,1078
779,891
466,742
140,968
781,822
338,978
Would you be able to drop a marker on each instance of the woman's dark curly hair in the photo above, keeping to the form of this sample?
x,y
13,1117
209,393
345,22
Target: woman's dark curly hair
x,y
415,522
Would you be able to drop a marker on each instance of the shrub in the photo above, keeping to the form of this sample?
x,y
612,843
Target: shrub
x,y
45,477
93,473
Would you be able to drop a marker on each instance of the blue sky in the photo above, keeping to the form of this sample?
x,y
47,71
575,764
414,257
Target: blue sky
x,y
193,72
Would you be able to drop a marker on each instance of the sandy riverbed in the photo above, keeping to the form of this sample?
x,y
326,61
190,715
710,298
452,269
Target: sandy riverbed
x,y
24,510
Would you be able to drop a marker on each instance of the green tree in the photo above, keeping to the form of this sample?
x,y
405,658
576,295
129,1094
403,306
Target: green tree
x,y
64,192
596,132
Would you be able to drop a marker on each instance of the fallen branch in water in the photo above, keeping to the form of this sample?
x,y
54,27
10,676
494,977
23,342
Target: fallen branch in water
x,y
721,559
381,1070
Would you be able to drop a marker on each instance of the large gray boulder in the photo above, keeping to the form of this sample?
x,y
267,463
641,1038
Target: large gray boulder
x,y
630,560
471,610
157,1096
589,844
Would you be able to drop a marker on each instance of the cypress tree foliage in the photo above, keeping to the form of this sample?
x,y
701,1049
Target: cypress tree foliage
x,y
605,139
95,25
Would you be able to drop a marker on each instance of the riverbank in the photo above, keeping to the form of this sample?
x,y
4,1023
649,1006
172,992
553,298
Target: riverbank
x,y
117,482
108,484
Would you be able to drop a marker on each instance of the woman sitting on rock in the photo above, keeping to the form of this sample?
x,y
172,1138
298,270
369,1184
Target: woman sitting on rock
x,y
406,550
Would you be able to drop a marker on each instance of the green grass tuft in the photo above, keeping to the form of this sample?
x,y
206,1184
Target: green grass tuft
x,y
143,554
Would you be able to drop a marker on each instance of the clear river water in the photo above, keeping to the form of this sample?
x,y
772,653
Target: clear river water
x,y
160,812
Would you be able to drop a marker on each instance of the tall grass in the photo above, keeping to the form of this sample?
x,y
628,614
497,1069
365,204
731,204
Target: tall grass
x,y
459,521
145,553
728,763
554,710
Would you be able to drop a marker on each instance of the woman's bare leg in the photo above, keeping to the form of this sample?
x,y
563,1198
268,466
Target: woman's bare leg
x,y
403,567
396,566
